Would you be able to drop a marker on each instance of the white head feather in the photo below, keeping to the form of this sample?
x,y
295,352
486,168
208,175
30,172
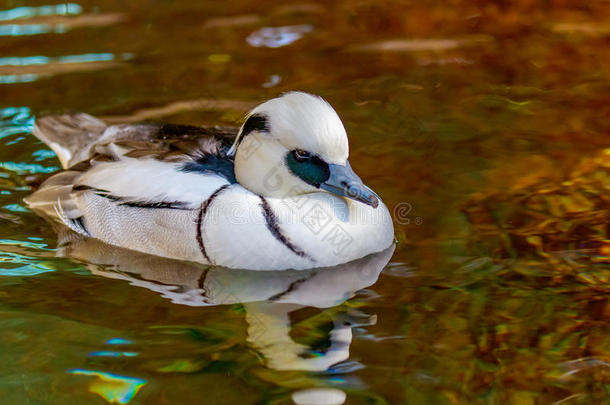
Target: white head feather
x,y
304,121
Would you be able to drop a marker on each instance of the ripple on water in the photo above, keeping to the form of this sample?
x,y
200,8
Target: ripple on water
x,y
16,123
15,120
21,13
23,265
28,12
112,387
13,30
25,69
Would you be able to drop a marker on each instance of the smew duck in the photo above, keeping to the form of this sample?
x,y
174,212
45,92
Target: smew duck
x,y
277,193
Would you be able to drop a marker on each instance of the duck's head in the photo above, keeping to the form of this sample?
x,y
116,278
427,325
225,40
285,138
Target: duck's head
x,y
296,144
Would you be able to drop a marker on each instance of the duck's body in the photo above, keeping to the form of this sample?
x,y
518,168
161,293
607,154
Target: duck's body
x,y
174,191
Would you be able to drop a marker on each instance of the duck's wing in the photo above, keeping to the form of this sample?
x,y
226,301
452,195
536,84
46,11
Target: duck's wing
x,y
79,137
144,166
149,182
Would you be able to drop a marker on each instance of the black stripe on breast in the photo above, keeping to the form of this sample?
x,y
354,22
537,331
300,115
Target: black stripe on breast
x,y
201,216
276,231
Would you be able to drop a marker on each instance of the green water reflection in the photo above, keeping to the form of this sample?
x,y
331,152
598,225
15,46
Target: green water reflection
x,y
484,125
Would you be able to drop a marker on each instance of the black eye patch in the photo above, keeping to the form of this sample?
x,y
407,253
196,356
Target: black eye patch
x,y
312,171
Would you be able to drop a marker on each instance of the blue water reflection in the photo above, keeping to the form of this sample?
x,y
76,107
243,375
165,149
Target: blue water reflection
x,y
10,79
15,120
12,30
87,57
112,387
15,208
23,271
28,12
28,266
24,61
27,168
44,60
106,353
43,154
23,243
16,114
118,341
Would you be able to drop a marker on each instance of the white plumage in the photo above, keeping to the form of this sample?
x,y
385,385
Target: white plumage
x,y
156,181
308,122
280,195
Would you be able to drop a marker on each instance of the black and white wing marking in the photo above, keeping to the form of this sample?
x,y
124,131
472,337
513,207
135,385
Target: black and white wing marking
x,y
151,183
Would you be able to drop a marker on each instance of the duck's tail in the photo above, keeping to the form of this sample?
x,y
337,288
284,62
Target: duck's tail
x,y
71,136
53,199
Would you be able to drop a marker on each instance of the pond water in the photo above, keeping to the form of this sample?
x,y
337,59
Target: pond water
x,y
484,126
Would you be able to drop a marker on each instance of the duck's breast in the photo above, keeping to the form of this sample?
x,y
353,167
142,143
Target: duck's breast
x,y
244,230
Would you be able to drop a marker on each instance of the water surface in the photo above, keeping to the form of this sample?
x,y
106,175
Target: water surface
x,y
483,126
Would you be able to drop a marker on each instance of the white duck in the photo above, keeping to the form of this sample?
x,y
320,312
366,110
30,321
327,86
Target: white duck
x,y
277,194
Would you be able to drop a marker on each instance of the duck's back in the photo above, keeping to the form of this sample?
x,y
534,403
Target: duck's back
x,y
133,185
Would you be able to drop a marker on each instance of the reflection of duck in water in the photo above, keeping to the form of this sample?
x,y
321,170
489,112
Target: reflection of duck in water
x,y
269,297
279,193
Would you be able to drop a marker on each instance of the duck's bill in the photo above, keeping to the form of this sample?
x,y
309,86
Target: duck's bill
x,y
344,182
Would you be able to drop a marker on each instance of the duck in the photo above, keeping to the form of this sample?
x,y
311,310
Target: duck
x,y
277,193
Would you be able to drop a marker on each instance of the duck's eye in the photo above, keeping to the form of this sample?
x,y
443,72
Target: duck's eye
x,y
301,155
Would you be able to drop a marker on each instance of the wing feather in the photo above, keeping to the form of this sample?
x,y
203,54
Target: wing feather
x,y
150,175
150,181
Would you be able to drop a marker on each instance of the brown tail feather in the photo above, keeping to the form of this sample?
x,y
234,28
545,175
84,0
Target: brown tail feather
x,y
56,190
71,136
